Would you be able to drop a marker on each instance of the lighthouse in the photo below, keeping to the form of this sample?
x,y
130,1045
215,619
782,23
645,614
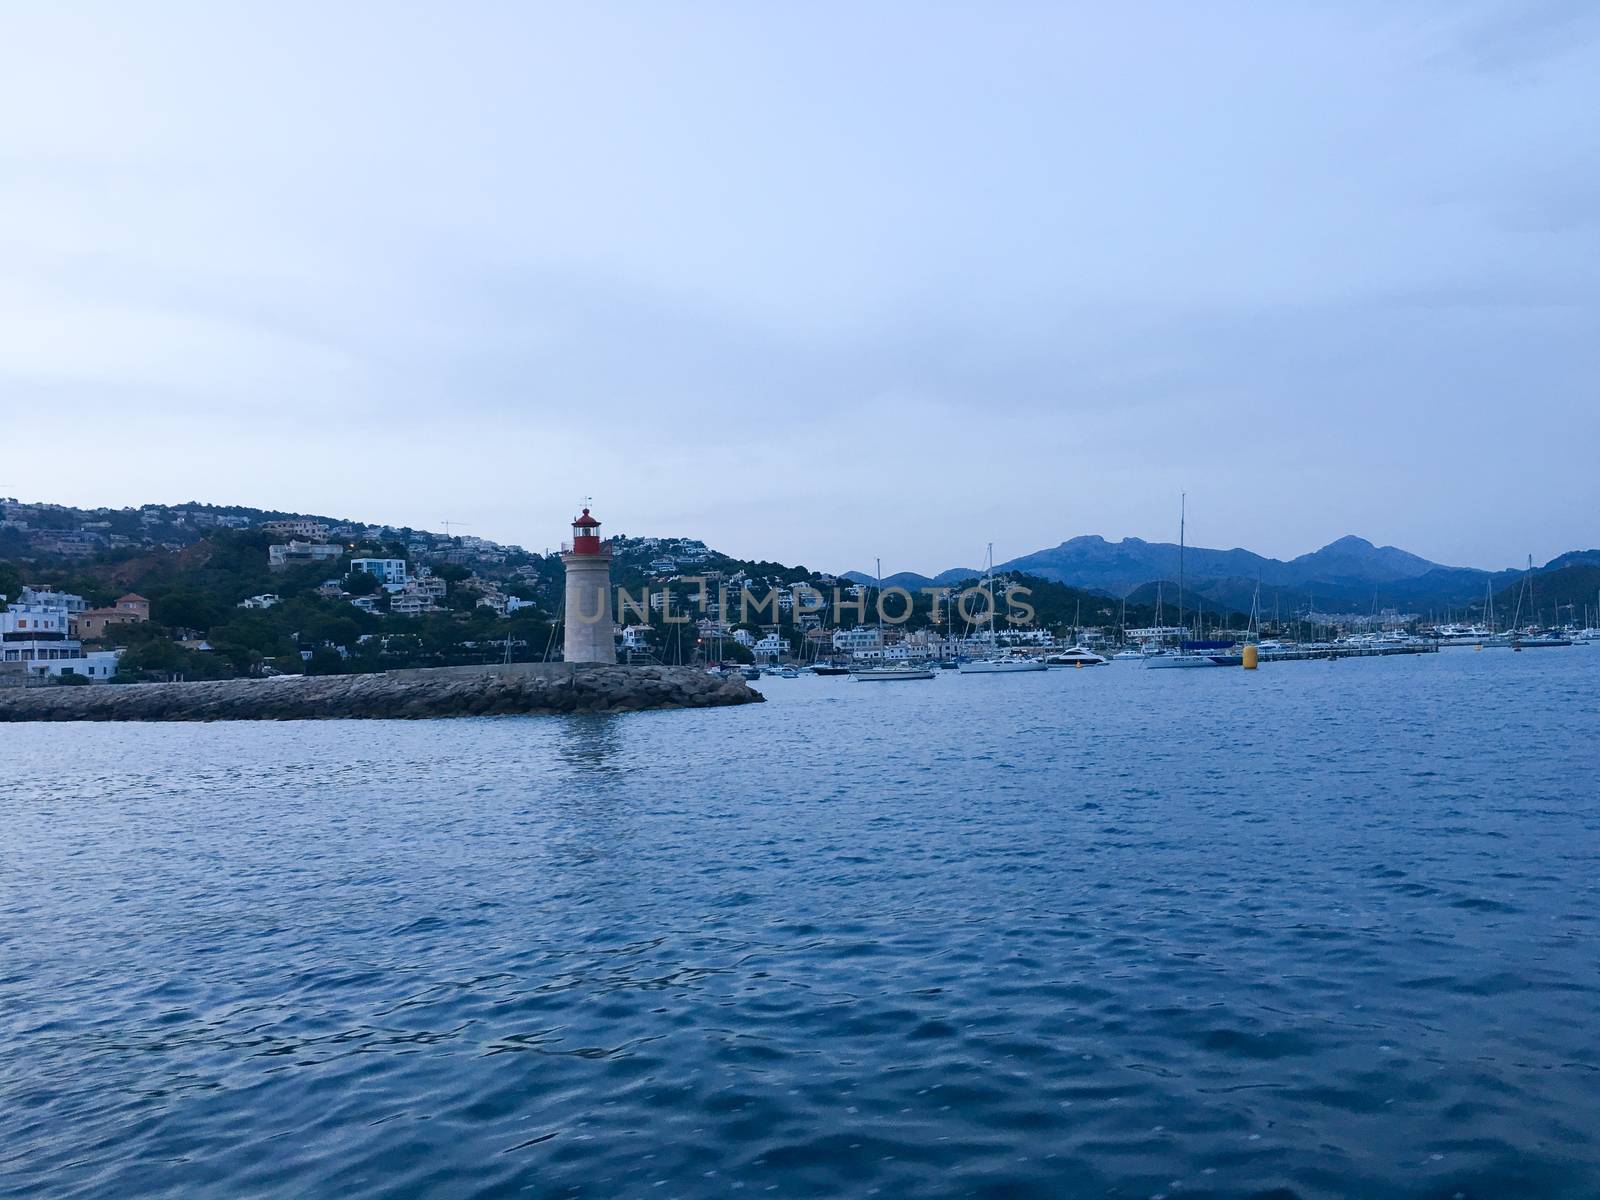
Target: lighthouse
x,y
589,625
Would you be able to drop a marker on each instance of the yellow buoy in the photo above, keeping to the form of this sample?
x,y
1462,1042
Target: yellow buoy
x,y
1250,655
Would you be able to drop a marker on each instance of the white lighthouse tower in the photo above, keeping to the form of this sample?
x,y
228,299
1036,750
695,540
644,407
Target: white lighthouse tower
x,y
590,635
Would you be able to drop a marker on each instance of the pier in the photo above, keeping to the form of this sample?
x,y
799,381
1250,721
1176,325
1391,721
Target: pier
x,y
1306,653
512,690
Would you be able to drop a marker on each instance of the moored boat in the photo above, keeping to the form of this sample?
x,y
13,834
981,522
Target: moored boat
x,y
1008,663
1004,664
890,674
1078,656
1198,654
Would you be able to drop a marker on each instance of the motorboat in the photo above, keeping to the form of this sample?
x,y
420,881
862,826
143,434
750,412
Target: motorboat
x,y
1198,654
1462,635
1078,656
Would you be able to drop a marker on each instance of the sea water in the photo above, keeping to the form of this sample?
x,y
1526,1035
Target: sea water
x,y
1323,929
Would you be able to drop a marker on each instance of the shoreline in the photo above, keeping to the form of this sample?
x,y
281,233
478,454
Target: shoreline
x,y
512,689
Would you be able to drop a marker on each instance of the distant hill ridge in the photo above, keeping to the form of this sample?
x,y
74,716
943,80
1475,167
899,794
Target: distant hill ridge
x,y
1347,575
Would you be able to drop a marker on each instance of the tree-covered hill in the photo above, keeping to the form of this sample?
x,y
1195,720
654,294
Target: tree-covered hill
x,y
1567,595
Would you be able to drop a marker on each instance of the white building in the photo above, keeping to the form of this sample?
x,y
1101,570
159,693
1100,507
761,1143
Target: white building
x,y
1024,637
770,648
45,598
293,554
1156,633
895,652
410,605
314,531
33,621
391,572
39,638
265,600
636,638
857,640
98,666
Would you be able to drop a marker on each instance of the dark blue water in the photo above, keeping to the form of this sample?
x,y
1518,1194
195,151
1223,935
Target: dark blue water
x,y
1324,930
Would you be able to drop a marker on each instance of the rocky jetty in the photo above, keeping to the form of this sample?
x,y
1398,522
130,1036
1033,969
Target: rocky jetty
x,y
415,695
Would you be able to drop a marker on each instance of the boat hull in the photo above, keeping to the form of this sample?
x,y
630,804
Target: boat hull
x,y
889,676
1165,662
1000,668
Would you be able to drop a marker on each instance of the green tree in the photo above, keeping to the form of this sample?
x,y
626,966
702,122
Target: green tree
x,y
10,581
185,608
154,656
360,583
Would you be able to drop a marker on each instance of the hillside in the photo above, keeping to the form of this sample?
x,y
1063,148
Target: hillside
x,y
1350,575
1568,594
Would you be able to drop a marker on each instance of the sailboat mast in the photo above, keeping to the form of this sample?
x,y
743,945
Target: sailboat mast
x,y
991,596
1183,517
1533,611
883,656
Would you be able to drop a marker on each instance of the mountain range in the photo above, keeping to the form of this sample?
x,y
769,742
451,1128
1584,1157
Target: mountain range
x,y
1347,575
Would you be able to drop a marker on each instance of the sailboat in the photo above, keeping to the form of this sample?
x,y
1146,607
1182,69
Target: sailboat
x,y
887,672
1192,653
1530,638
997,663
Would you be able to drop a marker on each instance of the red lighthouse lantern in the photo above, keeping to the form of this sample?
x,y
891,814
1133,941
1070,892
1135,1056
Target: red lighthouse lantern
x,y
586,535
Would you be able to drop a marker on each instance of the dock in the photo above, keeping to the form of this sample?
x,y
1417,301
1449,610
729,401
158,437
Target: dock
x,y
1304,653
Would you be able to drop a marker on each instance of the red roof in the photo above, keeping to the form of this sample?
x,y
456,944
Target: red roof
x,y
586,522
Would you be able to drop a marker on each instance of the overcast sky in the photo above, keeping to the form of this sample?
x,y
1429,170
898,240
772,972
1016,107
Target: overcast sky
x,y
814,282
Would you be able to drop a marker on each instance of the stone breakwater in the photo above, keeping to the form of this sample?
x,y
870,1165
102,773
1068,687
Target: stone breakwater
x,y
404,695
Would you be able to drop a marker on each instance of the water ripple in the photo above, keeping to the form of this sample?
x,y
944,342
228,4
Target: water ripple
x,y
1082,934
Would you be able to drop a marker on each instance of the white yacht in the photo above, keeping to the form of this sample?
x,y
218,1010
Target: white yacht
x,y
1184,658
1462,635
999,664
1002,664
890,674
1078,656
887,672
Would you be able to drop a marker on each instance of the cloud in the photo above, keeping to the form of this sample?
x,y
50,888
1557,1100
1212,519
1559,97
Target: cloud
x,y
749,274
